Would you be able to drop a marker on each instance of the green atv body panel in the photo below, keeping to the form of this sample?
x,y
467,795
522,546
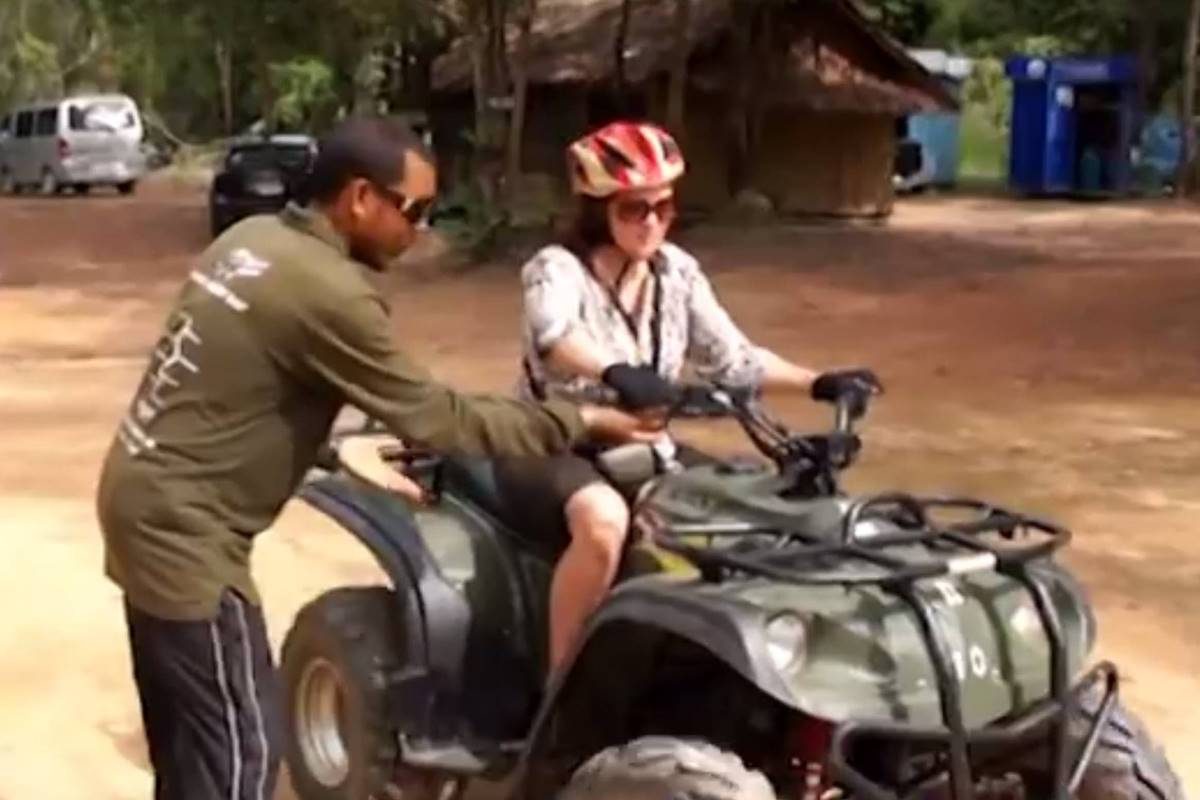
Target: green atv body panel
x,y
866,658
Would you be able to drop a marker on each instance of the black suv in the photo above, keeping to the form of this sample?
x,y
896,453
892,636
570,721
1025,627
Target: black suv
x,y
259,175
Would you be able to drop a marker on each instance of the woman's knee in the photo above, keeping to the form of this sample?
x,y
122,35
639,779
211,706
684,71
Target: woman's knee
x,y
598,518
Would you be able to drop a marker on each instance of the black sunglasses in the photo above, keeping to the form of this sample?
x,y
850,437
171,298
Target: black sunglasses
x,y
640,210
414,209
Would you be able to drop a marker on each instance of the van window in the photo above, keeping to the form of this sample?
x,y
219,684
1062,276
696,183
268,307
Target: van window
x,y
24,124
47,122
101,116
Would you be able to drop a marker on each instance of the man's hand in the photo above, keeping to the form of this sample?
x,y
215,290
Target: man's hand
x,y
612,426
361,457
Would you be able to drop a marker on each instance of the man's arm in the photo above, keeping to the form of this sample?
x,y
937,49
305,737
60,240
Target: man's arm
x,y
347,344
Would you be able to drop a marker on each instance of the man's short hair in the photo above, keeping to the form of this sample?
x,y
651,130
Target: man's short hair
x,y
362,147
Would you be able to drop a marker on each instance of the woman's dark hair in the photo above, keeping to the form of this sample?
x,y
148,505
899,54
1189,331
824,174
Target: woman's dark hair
x,y
361,147
588,228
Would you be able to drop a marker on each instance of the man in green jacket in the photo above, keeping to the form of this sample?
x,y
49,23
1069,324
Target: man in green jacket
x,y
277,327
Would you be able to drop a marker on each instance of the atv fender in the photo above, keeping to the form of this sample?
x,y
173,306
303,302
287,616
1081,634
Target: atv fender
x,y
435,615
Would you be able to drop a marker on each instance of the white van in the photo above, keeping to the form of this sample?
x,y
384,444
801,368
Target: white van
x,y
77,142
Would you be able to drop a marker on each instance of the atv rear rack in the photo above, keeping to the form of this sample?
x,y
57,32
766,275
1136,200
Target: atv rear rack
x,y
991,539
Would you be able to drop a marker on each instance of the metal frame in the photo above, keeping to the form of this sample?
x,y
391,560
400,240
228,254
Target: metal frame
x,y
1009,734
800,559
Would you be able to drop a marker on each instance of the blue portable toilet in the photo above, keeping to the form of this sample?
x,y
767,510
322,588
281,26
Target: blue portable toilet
x,y
938,132
1073,125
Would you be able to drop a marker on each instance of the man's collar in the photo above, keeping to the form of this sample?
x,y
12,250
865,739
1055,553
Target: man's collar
x,y
314,223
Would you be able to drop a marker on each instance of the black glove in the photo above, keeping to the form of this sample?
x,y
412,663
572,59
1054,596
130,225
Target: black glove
x,y
856,385
639,388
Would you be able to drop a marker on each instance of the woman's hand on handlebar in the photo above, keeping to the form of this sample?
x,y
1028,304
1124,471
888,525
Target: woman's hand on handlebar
x,y
639,387
853,387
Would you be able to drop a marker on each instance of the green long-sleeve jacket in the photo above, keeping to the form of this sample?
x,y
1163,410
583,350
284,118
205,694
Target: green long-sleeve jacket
x,y
276,329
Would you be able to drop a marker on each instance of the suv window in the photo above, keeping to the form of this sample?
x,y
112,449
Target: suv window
x,y
24,124
47,122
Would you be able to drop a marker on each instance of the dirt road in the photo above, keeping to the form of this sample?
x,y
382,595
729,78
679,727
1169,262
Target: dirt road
x,y
1045,355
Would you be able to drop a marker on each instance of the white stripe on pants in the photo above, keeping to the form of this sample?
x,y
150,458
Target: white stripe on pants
x,y
252,692
235,744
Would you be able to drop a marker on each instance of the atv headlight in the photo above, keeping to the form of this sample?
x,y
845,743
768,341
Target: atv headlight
x,y
787,641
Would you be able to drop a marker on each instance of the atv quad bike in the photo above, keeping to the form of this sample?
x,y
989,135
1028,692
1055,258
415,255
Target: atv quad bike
x,y
769,637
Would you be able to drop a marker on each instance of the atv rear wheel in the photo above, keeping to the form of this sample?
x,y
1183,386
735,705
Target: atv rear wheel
x,y
657,767
338,663
1127,765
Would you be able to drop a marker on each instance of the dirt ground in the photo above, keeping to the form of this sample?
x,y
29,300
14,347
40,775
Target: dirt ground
x,y
1045,355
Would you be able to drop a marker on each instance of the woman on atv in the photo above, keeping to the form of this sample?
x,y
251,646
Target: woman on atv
x,y
613,314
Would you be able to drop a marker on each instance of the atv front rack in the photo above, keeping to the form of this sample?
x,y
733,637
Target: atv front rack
x,y
1007,736
990,539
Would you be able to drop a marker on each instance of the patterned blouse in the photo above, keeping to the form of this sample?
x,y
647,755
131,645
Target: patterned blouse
x,y
678,323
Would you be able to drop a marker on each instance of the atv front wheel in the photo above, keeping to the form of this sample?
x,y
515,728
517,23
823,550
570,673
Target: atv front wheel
x,y
338,662
658,767
1127,765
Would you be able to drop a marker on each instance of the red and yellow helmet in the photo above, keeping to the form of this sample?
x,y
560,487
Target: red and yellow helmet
x,y
622,156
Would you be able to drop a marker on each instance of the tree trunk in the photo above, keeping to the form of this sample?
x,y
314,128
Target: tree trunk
x,y
677,90
620,45
223,55
1188,103
520,76
739,111
479,85
1146,18
488,55
262,72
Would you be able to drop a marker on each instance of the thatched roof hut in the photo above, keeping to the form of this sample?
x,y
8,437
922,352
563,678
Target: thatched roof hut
x,y
573,44
827,87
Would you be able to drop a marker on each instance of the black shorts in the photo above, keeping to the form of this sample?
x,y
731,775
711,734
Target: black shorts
x,y
537,489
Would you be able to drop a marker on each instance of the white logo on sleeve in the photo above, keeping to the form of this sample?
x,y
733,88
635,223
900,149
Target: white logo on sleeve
x,y
234,265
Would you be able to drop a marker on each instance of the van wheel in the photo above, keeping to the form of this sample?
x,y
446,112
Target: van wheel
x,y
126,188
49,184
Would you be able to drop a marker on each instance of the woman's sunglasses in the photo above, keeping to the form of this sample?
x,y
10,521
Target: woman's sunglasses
x,y
415,210
640,210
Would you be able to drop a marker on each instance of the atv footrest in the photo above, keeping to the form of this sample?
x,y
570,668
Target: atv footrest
x,y
456,757
453,758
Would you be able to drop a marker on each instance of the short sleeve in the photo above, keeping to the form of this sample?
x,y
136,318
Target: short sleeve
x,y
553,296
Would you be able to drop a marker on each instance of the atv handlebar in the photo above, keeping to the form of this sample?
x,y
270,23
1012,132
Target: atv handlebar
x,y
812,461
701,401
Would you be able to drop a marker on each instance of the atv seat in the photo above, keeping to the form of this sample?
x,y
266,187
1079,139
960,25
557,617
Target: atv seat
x,y
475,479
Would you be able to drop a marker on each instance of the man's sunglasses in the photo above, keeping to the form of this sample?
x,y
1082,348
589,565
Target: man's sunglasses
x,y
640,210
414,209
